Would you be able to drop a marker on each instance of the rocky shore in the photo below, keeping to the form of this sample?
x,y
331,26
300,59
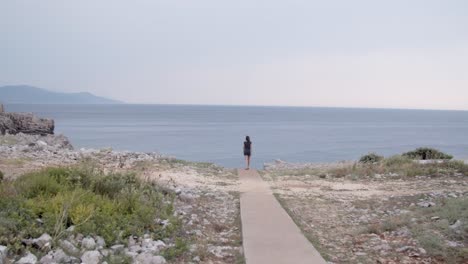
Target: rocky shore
x,y
27,123
206,203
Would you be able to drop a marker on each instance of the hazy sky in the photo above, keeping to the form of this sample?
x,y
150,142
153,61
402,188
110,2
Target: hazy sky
x,y
398,54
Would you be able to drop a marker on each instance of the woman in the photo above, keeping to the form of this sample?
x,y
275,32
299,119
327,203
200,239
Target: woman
x,y
247,151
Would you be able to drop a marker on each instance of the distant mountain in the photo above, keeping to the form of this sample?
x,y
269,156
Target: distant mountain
x,y
23,94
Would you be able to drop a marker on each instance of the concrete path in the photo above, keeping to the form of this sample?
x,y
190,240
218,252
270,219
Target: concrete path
x,y
269,235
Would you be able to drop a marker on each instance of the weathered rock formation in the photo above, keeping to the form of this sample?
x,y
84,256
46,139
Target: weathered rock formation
x,y
27,123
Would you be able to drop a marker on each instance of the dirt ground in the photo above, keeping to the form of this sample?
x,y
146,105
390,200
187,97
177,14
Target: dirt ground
x,y
378,220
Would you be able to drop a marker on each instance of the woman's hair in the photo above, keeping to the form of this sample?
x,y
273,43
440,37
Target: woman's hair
x,y
247,138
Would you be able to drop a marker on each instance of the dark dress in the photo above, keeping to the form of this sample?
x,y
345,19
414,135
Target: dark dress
x,y
247,146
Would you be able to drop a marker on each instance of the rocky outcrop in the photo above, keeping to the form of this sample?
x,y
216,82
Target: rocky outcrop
x,y
27,123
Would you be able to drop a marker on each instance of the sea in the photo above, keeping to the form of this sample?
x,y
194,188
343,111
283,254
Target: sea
x,y
294,134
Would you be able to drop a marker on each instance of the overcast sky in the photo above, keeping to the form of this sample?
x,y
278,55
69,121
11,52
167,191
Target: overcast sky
x,y
391,54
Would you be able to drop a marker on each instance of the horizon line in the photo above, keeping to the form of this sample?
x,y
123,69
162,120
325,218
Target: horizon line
x,y
240,105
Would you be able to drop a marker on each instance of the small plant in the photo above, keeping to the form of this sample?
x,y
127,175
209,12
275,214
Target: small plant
x,y
427,154
370,158
1,176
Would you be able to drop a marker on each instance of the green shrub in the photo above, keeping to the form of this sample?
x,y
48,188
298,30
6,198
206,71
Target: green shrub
x,y
1,176
427,154
370,158
37,184
113,206
113,184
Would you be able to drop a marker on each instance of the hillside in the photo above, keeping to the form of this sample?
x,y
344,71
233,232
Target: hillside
x,y
23,94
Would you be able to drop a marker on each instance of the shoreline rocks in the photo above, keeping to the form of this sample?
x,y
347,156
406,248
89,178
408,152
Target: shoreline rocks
x,y
27,123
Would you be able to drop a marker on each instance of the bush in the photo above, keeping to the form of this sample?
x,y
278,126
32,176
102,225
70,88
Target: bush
x,y
427,154
370,158
113,206
1,176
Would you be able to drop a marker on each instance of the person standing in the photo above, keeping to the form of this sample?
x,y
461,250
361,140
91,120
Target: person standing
x,y
247,151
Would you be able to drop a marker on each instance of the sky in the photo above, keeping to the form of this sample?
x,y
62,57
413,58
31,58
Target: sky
x,y
360,53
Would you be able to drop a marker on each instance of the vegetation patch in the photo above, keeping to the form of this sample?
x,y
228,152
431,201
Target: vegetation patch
x,y
370,158
400,167
427,154
113,206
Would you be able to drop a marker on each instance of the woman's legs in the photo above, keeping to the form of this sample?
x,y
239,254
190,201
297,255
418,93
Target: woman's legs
x,y
248,162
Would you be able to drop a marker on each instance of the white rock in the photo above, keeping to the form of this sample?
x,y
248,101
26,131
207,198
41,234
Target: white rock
x,y
456,225
91,257
147,258
3,251
88,243
55,256
454,244
133,255
28,259
117,248
426,204
101,243
42,241
131,241
105,252
68,247
41,143
422,251
135,248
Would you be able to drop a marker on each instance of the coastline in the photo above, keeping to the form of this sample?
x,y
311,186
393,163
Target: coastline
x,y
206,203
369,206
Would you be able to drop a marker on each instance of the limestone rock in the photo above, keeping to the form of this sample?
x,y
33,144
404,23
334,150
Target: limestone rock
x,y
55,256
43,241
100,242
27,123
147,258
3,251
69,247
117,248
91,257
3,254
88,243
27,259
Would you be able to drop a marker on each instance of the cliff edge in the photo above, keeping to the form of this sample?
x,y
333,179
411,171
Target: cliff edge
x,y
27,123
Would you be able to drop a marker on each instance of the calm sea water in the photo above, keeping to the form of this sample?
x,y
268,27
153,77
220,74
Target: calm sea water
x,y
216,133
